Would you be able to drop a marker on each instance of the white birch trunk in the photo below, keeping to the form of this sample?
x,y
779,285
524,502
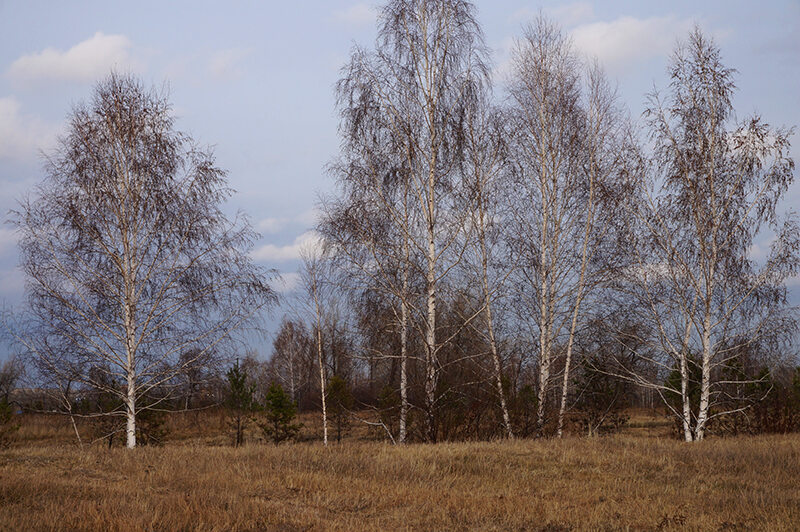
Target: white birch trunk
x,y
705,386
687,407
291,375
544,369
498,374
401,438
565,384
430,340
544,334
487,302
578,300
130,410
430,332
321,363
130,369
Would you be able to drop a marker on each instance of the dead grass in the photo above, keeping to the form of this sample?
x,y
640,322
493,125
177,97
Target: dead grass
x,y
612,483
204,427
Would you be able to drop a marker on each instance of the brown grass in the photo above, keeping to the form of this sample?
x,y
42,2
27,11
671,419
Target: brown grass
x,y
612,483
204,427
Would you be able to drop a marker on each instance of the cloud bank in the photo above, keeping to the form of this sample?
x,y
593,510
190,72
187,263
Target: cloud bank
x,y
86,61
361,14
627,41
308,242
22,136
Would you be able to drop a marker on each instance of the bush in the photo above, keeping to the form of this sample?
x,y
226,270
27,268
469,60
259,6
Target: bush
x,y
240,402
151,427
8,424
774,407
340,402
280,412
522,408
602,397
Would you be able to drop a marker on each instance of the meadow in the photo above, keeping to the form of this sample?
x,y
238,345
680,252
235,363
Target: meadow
x,y
641,479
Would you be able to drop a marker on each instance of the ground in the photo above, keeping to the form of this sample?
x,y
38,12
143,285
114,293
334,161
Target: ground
x,y
636,481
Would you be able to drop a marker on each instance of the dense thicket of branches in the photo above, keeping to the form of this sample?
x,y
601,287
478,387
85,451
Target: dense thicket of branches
x,y
521,264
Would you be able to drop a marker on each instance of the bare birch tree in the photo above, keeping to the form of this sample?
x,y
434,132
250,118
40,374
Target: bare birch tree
x,y
715,188
313,279
290,350
428,62
484,168
368,224
568,132
605,194
130,261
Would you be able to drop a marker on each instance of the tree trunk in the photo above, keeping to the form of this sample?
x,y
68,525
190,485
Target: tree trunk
x,y
292,389
687,407
322,385
130,399
498,375
430,333
578,300
430,347
705,386
565,384
544,304
130,429
544,358
401,438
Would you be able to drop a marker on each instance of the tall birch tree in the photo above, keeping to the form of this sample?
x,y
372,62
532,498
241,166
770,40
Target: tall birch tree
x,y
130,262
428,64
485,168
568,133
715,188
313,278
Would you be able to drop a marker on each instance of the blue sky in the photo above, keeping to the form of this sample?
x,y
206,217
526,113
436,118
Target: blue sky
x,y
255,80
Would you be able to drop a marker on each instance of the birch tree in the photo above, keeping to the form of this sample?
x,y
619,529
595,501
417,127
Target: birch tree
x,y
570,187
715,189
313,279
428,61
130,262
484,169
368,223
290,352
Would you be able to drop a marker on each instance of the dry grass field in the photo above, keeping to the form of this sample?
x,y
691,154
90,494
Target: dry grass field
x,y
638,480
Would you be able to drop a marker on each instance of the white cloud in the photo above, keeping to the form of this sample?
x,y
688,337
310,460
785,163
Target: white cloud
x,y
8,240
623,42
288,283
226,64
12,285
566,15
86,61
271,226
309,241
21,136
357,15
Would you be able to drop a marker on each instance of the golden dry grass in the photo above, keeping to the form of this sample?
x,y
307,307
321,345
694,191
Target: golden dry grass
x,y
612,483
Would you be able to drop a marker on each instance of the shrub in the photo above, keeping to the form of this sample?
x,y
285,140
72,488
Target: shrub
x,y
341,401
280,412
240,402
8,423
